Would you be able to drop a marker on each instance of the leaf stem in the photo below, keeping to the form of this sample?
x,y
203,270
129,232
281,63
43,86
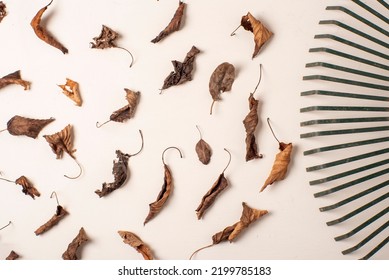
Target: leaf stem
x,y
6,225
98,125
259,81
233,32
268,122
56,197
3,130
172,147
79,174
141,148
229,161
213,102
198,250
201,136
8,180
132,58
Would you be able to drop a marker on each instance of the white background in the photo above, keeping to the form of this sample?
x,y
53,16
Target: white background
x,y
294,229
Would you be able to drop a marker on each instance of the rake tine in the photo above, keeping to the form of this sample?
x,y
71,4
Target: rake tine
x,y
376,249
372,11
363,225
344,108
344,131
345,81
345,94
345,120
382,2
354,197
358,210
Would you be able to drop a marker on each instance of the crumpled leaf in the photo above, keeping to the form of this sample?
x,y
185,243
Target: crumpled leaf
x,y
221,81
167,189
61,142
261,33
71,90
3,11
14,78
13,255
42,33
203,150
73,250
280,165
182,70
134,241
209,198
18,125
28,187
230,233
107,39
54,220
174,24
250,123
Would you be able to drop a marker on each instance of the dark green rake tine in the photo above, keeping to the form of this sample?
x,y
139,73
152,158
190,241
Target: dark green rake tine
x,y
351,57
349,172
347,160
367,239
352,44
344,131
358,17
382,2
345,120
345,94
348,70
363,225
373,11
345,81
354,197
358,210
355,31
352,183
376,249
346,145
344,108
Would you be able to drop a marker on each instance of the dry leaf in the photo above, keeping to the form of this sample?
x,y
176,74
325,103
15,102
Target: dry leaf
x,y
28,187
203,150
126,112
18,125
14,78
120,172
71,90
174,24
106,40
72,252
250,123
280,165
221,80
61,142
57,217
165,192
261,33
42,33
182,70
13,255
230,233
209,198
134,241
3,11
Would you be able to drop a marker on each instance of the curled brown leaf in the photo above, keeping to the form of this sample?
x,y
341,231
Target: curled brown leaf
x,y
54,220
221,81
71,90
174,24
42,33
61,142
250,123
3,11
73,250
12,256
18,125
14,78
134,241
203,150
27,187
182,70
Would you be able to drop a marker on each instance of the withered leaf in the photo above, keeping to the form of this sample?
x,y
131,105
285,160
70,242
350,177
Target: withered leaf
x,y
71,90
126,112
167,189
107,39
209,198
120,172
280,165
12,256
42,33
14,78
18,125
61,142
28,187
174,24
54,220
3,11
134,241
203,150
250,123
230,233
182,70
261,33
73,250
221,81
